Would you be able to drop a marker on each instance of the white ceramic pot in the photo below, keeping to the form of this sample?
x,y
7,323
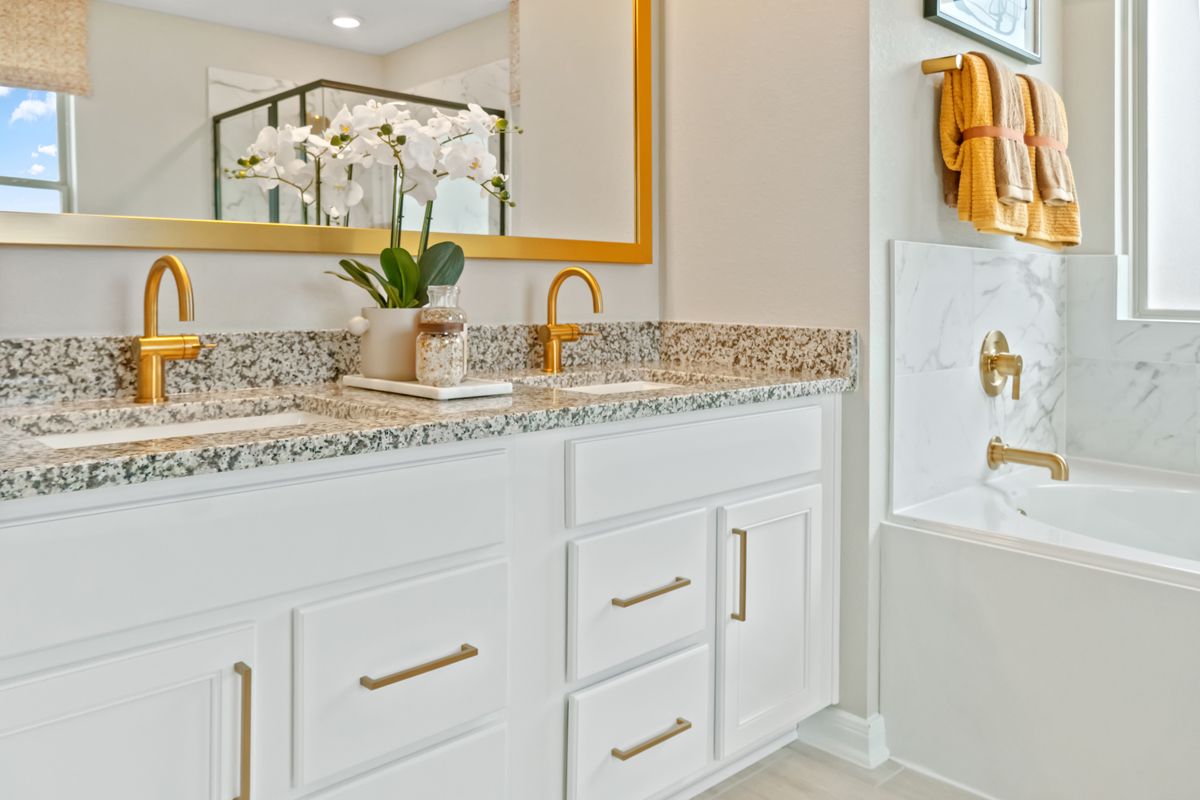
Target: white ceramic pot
x,y
389,342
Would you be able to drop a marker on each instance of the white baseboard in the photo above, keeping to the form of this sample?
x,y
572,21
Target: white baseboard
x,y
943,779
847,736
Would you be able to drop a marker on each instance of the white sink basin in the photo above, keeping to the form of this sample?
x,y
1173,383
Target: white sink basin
x,y
620,388
62,441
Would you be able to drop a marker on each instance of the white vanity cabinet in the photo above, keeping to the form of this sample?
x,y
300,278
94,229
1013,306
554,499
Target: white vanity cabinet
x,y
540,616
146,724
775,619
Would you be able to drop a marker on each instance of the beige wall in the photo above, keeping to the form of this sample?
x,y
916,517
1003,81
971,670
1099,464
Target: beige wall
x,y
906,204
765,203
144,137
472,45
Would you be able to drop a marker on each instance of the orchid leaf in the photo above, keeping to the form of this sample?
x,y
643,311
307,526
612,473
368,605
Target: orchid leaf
x,y
401,271
359,275
441,265
374,294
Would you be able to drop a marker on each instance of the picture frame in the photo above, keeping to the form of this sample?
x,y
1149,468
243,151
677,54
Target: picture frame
x,y
1010,26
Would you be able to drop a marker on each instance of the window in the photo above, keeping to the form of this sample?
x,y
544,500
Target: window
x,y
1168,186
35,151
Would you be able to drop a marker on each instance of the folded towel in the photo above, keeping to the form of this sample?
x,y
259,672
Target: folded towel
x,y
1049,123
1050,226
1014,178
967,104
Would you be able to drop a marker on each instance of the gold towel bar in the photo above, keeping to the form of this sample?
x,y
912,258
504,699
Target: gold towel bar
x,y
933,65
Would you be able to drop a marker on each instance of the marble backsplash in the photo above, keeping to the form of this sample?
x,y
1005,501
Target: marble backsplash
x,y
1133,384
945,300
83,368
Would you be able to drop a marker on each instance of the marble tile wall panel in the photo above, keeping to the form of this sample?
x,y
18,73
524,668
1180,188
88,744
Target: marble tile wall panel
x,y
1133,385
945,300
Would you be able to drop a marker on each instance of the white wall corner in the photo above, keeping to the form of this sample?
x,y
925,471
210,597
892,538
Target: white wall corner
x,y
847,736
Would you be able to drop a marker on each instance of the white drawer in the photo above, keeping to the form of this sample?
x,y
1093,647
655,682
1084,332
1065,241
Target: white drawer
x,y
626,566
94,574
423,628
630,711
608,476
471,767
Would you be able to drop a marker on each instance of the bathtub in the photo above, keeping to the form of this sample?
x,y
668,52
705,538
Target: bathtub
x,y
1134,519
1041,640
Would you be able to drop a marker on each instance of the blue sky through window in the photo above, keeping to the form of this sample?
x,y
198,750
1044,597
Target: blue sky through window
x,y
28,134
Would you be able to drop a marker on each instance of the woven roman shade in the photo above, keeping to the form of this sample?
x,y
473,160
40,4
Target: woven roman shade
x,y
43,45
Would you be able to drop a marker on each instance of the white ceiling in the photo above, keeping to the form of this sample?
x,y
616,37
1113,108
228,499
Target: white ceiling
x,y
387,26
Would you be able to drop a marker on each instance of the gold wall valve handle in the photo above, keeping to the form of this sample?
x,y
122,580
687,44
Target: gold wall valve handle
x,y
244,783
740,614
466,652
679,727
552,335
153,350
997,364
679,583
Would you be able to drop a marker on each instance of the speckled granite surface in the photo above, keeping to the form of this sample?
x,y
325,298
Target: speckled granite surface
x,y
365,421
770,347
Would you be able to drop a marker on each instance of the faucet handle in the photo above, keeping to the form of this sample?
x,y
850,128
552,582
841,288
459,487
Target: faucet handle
x,y
997,364
585,333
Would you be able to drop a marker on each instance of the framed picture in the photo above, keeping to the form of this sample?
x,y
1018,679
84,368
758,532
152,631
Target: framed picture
x,y
1011,26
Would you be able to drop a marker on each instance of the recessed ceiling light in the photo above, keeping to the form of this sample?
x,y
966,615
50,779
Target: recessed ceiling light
x,y
346,22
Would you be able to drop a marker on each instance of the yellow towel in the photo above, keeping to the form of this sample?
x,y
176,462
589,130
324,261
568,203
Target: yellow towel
x,y
967,103
1052,227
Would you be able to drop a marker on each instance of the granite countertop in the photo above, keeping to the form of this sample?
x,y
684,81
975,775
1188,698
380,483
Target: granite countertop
x,y
365,421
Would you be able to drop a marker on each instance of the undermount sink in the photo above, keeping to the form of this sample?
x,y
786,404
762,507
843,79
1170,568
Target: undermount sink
x,y
621,388
63,441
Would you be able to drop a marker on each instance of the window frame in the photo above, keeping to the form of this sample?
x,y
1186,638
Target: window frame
x,y
65,185
1139,218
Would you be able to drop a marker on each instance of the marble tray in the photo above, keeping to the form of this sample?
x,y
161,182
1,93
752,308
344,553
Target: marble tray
x,y
470,387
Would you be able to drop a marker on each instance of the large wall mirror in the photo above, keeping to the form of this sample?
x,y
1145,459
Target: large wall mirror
x,y
182,88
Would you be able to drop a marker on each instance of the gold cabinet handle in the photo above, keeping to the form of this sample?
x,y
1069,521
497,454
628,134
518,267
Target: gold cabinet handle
x,y
740,615
466,652
641,598
679,727
242,669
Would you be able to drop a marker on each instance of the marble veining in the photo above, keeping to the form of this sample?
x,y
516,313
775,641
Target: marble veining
x,y
945,300
367,422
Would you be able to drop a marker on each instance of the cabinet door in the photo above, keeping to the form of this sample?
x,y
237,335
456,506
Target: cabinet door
x,y
160,722
776,617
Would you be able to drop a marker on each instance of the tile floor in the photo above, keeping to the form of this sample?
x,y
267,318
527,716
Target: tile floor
x,y
800,772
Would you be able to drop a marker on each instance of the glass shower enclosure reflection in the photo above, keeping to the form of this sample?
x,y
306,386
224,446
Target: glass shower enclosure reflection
x,y
458,209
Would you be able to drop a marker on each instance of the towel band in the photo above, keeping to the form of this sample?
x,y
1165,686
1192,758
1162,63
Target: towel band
x,y
1045,141
993,131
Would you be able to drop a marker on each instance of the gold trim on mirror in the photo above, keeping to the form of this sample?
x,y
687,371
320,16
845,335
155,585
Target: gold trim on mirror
x,y
93,230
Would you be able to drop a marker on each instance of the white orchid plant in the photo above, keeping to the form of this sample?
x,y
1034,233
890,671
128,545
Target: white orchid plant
x,y
320,168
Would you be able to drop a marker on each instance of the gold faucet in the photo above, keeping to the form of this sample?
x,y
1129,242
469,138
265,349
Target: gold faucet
x,y
152,349
552,335
999,453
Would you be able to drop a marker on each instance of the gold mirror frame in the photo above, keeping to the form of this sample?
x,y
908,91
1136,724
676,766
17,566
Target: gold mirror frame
x,y
95,230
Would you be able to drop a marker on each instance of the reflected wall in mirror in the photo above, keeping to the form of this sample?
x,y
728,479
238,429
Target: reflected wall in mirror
x,y
181,89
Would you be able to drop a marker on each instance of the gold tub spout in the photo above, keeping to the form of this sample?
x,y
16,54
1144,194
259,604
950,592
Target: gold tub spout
x,y
999,453
153,350
552,335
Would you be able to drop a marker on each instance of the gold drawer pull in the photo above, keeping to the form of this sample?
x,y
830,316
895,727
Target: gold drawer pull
x,y
641,598
378,683
242,669
679,727
740,616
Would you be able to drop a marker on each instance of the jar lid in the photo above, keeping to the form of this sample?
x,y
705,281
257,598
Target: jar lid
x,y
440,327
